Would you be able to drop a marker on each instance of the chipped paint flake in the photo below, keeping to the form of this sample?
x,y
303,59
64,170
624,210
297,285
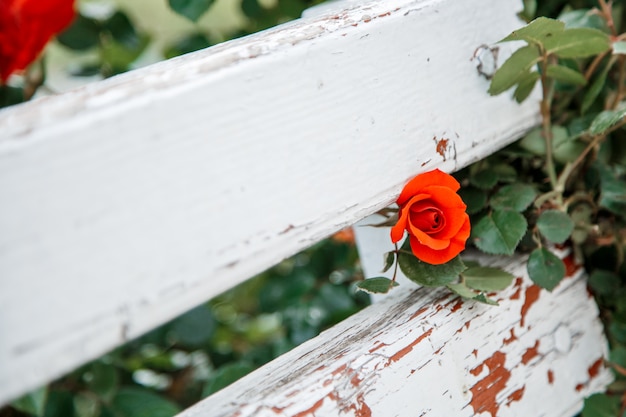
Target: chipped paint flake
x,y
485,391
531,297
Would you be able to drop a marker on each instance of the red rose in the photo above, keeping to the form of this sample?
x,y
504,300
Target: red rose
x,y
434,216
26,26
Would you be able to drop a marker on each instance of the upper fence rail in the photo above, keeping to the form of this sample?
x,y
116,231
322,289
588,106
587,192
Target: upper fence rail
x,y
129,201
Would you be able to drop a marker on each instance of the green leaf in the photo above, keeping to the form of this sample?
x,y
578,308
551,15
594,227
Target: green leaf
x,y
619,48
604,282
390,257
555,225
138,402
594,90
378,285
103,380
537,31
82,34
485,179
545,268
577,43
612,191
32,403
601,405
194,328
486,278
191,9
514,69
427,274
462,290
565,75
226,375
474,198
565,149
121,28
515,196
499,233
86,405
582,18
525,86
606,120
485,300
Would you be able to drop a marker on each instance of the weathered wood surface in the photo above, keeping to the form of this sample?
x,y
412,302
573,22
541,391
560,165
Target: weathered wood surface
x,y
129,201
427,353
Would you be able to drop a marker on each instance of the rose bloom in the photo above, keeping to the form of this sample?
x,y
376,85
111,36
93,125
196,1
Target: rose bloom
x,y
434,216
26,26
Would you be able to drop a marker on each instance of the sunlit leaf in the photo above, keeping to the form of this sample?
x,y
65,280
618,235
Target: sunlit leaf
x,y
545,268
619,48
514,69
606,120
578,43
537,31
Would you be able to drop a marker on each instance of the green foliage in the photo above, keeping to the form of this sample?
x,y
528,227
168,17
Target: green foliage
x,y
378,285
555,225
600,405
485,278
191,9
426,274
515,197
545,268
499,232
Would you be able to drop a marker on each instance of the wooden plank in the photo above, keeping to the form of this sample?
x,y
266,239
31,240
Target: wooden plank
x,y
129,201
427,353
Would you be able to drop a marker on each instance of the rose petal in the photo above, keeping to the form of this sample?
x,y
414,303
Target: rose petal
x,y
434,177
426,239
453,209
397,231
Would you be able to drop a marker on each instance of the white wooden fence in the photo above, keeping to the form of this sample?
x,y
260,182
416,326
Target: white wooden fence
x,y
127,202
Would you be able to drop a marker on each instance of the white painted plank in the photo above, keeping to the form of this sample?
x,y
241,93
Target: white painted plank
x,y
129,201
427,353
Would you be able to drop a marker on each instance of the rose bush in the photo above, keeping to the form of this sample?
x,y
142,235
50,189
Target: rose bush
x,y
26,26
434,216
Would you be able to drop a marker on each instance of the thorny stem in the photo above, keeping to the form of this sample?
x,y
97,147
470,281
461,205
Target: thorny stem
x,y
606,10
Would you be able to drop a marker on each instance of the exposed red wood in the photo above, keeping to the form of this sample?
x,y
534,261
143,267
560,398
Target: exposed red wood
x,y
419,312
484,392
361,409
531,296
530,353
457,306
476,371
515,395
310,410
401,353
594,369
550,376
378,346
570,265
579,387
475,352
510,339
339,370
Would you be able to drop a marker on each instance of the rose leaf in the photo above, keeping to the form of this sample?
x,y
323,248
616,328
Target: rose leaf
x,y
486,278
555,225
429,275
545,268
514,197
378,285
499,232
